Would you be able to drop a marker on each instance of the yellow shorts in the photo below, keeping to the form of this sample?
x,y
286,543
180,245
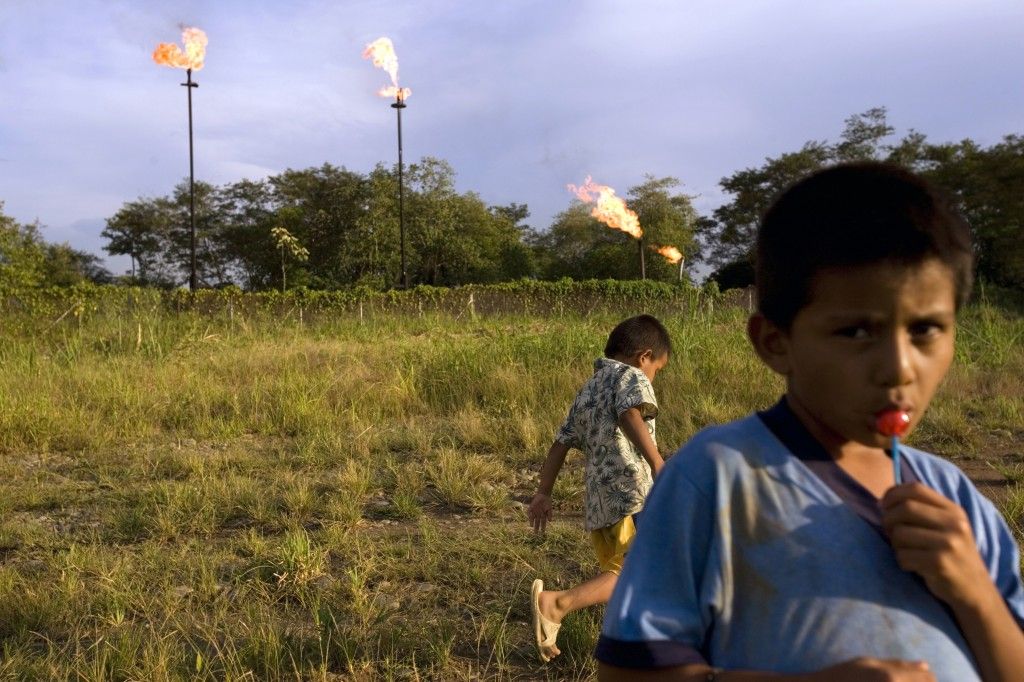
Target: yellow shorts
x,y
612,543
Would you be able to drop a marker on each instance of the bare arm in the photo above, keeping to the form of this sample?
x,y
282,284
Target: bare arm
x,y
539,511
858,670
632,424
932,537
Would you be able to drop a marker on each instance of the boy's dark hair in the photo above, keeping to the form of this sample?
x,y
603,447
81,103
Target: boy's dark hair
x,y
852,215
636,335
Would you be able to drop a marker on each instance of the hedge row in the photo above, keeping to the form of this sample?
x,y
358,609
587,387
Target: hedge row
x,y
527,297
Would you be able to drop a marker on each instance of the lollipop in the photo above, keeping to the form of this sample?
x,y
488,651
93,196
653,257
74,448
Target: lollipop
x,y
893,424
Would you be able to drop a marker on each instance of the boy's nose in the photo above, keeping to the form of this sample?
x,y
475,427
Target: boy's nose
x,y
894,360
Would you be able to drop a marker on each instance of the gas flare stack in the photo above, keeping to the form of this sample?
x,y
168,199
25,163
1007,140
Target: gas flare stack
x,y
192,58
382,53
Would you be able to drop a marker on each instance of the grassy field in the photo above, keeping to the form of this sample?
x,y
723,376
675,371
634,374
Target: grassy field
x,y
188,496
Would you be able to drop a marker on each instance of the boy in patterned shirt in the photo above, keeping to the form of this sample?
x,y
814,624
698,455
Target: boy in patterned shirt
x,y
612,422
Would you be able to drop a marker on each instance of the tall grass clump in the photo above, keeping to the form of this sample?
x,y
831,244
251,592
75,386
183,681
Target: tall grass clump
x,y
331,485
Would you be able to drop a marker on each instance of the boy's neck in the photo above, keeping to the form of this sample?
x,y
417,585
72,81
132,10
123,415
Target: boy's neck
x,y
869,466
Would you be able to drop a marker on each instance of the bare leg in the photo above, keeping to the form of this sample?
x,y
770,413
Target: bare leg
x,y
554,604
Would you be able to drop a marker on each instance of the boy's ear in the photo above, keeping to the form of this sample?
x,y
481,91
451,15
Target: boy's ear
x,y
770,343
639,356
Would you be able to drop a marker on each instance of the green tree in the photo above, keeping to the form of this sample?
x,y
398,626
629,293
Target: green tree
x,y
143,230
214,260
28,260
432,247
454,238
22,254
579,246
324,210
667,220
516,254
987,185
863,136
248,213
64,266
348,222
728,237
289,247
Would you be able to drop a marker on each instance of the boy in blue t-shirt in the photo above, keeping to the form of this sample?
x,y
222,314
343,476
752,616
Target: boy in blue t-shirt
x,y
781,544
612,422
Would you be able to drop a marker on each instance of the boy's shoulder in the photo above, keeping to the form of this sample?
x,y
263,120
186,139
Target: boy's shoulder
x,y
609,367
737,446
613,378
935,467
947,478
746,449
749,443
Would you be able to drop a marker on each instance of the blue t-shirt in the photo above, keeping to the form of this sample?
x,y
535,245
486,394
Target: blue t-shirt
x,y
748,559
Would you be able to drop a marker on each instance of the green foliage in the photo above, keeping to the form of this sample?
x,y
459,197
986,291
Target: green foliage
x,y
581,247
139,230
347,221
289,247
667,220
27,260
22,254
729,235
27,307
350,223
987,185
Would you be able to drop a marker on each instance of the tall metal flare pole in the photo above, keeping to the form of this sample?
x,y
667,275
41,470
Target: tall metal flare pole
x,y
643,266
398,106
192,283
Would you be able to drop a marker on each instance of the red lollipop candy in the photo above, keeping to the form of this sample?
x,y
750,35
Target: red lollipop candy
x,y
892,423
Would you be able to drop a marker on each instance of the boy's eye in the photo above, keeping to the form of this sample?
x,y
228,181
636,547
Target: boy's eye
x,y
926,330
856,332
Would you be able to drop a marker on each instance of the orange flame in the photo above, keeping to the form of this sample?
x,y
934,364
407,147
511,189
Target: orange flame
x,y
671,254
609,209
382,53
394,91
169,54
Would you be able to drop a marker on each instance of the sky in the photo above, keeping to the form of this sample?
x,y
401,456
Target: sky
x,y
521,97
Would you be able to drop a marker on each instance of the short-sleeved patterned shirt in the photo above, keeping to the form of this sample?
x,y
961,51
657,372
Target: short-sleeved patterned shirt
x,y
617,476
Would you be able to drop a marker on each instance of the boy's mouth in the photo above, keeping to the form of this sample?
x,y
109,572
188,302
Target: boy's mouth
x,y
892,423
895,407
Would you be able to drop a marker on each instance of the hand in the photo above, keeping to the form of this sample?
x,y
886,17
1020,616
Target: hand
x,y
657,465
539,512
875,670
932,537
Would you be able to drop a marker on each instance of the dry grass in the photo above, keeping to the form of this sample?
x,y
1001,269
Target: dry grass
x,y
343,500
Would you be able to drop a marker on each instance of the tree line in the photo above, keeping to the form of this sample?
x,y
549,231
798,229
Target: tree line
x,y
986,184
331,228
